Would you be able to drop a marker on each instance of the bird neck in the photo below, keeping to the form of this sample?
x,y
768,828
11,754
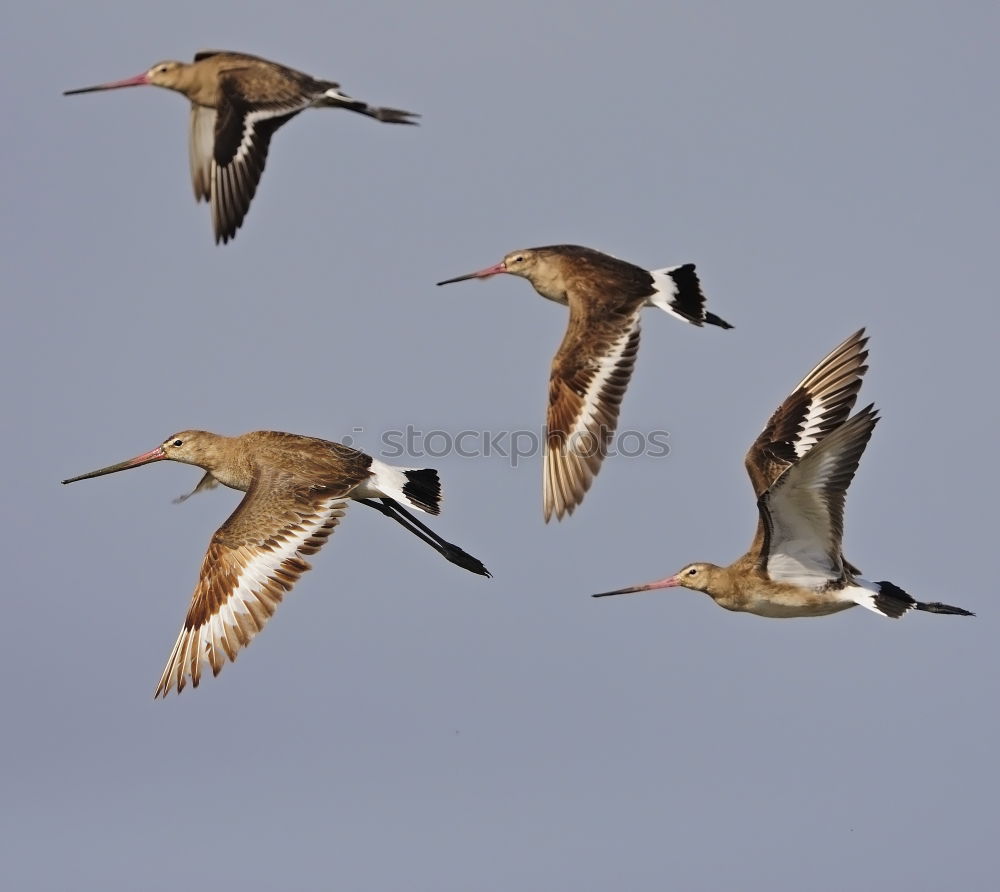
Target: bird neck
x,y
549,284
233,464
722,584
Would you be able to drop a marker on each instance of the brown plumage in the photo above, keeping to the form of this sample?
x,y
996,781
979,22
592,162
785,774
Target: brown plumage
x,y
238,101
801,466
297,489
594,363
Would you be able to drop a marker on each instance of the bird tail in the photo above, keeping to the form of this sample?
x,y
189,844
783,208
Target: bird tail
x,y
423,489
417,488
677,291
892,601
333,98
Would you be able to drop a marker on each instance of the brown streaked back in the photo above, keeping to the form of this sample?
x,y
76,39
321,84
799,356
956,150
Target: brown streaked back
x,y
323,463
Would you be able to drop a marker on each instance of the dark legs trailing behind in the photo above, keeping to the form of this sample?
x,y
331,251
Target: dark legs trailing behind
x,y
392,508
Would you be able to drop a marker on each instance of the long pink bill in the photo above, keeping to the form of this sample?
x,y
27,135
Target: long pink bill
x,y
136,81
156,454
482,274
669,582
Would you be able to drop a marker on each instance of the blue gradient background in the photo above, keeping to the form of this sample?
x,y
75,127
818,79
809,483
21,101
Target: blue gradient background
x,y
400,724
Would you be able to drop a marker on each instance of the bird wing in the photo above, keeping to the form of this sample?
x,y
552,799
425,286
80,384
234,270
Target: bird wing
x,y
243,130
802,513
201,145
820,403
253,559
590,373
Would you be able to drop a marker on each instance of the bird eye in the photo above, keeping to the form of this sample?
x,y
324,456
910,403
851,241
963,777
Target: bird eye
x,y
692,571
518,259
177,443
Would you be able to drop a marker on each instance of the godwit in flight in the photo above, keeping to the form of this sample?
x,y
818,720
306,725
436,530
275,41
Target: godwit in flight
x,y
801,466
296,492
237,102
594,363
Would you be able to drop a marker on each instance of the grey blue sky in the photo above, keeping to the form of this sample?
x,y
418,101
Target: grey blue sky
x,y
401,724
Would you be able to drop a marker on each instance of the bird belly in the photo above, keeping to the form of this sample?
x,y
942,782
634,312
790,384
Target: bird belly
x,y
782,606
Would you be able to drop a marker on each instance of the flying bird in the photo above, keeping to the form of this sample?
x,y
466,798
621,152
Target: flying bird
x,y
237,102
297,489
801,466
594,363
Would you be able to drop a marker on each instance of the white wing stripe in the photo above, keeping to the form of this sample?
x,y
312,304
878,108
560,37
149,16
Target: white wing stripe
x,y
250,120
236,620
810,427
605,366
